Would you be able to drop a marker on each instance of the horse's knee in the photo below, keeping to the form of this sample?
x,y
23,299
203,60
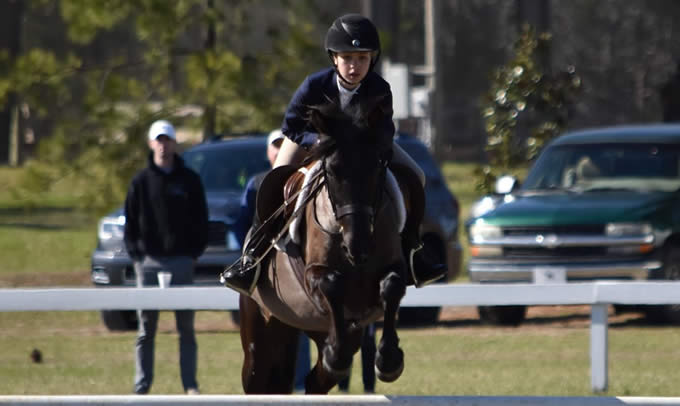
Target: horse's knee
x,y
331,285
392,287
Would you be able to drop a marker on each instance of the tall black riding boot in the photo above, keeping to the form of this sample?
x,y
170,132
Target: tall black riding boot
x,y
422,270
243,275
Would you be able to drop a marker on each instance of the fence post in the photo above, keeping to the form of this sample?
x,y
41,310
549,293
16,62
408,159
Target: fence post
x,y
598,347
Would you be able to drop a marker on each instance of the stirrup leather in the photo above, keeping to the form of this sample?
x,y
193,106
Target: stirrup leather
x,y
257,270
411,268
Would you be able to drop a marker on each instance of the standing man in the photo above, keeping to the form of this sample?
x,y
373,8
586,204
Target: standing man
x,y
166,229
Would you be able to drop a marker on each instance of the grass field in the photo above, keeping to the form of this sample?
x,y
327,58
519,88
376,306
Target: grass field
x,y
81,357
50,246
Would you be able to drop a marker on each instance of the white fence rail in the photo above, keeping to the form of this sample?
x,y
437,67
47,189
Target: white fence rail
x,y
596,294
336,400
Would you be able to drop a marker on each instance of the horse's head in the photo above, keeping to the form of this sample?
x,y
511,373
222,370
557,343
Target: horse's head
x,y
354,152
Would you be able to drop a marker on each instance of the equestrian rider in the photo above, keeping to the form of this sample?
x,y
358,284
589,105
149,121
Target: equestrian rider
x,y
353,46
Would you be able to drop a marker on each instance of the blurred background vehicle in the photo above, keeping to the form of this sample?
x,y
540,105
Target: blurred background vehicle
x,y
602,203
225,165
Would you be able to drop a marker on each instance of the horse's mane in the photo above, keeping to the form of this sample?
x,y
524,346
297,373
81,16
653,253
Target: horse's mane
x,y
332,123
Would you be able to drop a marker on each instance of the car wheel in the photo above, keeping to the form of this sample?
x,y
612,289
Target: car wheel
x,y
120,320
502,315
671,271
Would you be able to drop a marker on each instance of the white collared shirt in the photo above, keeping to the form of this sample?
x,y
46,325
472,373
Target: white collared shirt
x,y
345,94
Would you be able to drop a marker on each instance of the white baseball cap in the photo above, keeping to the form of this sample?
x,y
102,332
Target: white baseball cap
x,y
274,136
161,127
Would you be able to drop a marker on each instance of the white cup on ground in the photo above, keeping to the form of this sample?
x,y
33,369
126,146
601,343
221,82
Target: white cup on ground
x,y
164,279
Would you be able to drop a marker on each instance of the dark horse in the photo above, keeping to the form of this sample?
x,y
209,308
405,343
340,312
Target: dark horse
x,y
353,270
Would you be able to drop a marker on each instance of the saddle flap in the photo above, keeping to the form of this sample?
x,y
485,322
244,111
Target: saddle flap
x,y
270,195
293,184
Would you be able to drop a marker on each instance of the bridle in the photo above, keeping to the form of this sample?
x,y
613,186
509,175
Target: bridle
x,y
340,211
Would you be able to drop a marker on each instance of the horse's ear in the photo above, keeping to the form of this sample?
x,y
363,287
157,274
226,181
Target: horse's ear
x,y
320,115
376,109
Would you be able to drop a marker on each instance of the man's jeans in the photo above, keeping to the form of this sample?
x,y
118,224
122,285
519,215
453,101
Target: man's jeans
x,y
182,269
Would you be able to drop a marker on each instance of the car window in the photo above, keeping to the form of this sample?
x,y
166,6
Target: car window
x,y
227,168
600,166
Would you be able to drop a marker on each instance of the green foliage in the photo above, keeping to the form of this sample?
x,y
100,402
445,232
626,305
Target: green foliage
x,y
98,109
86,17
525,107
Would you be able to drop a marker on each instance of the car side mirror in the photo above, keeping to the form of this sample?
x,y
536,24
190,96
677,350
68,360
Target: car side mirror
x,y
506,184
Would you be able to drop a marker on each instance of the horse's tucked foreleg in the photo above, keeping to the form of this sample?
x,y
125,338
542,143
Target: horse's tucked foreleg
x,y
337,356
389,362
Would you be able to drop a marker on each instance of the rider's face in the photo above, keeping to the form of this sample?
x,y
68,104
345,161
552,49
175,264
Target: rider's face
x,y
353,66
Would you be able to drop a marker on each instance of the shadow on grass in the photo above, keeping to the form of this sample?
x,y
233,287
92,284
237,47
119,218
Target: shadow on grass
x,y
45,227
629,319
45,218
16,211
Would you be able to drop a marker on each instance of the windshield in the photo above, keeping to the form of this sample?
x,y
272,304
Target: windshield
x,y
610,166
227,169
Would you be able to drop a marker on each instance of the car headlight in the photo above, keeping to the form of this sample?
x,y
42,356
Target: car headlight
x,y
111,228
481,232
643,230
628,229
483,206
232,242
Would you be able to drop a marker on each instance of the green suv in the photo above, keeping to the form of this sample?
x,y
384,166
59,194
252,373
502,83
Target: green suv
x,y
598,204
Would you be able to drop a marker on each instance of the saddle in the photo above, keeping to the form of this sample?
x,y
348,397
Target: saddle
x,y
278,187
282,185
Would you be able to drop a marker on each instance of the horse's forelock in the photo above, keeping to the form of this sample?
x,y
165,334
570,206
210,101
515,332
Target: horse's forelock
x,y
325,147
352,126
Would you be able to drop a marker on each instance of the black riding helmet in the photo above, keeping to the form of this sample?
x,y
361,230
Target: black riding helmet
x,y
352,33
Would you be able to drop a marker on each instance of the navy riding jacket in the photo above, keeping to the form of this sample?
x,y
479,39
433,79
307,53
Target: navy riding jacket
x,y
322,86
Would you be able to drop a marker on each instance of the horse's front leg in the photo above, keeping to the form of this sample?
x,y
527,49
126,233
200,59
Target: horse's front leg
x,y
337,352
389,362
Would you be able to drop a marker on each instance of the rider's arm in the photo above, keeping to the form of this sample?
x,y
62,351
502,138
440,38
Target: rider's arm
x,y
295,124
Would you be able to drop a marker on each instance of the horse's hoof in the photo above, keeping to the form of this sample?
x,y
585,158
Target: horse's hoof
x,y
337,373
389,376
392,372
333,370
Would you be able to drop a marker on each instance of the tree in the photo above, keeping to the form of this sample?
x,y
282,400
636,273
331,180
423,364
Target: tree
x,y
124,63
524,108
